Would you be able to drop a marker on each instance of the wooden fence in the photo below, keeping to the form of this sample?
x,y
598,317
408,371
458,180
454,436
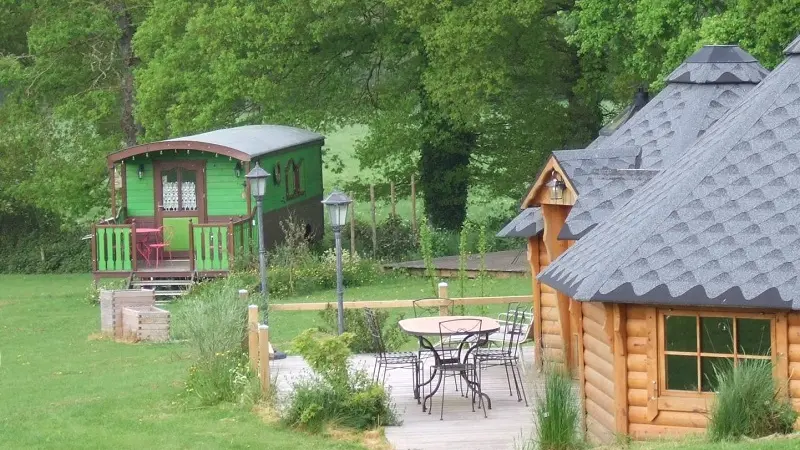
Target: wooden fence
x,y
260,350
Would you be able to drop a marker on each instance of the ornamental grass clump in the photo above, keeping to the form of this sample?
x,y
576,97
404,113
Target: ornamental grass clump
x,y
748,403
212,319
557,414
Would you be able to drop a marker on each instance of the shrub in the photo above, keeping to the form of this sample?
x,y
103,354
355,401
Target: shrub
x,y
748,403
557,413
223,377
356,324
336,393
93,291
319,272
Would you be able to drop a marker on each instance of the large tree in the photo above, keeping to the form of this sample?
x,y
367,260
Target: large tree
x,y
643,40
66,72
463,92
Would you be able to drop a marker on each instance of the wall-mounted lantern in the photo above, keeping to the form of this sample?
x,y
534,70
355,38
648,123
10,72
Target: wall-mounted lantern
x,y
237,169
556,187
141,171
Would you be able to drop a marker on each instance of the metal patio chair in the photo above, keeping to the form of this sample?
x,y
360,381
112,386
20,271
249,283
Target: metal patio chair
x,y
513,330
456,363
390,360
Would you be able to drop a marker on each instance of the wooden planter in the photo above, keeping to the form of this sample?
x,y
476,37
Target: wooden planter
x,y
112,303
145,323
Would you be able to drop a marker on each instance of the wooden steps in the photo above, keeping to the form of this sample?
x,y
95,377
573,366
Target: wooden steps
x,y
166,287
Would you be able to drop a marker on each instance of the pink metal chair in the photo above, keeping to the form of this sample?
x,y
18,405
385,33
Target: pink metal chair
x,y
166,240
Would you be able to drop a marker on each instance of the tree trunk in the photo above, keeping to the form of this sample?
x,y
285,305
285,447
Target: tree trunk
x,y
127,30
444,167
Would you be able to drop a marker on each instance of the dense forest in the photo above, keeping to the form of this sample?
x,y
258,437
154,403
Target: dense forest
x,y
462,93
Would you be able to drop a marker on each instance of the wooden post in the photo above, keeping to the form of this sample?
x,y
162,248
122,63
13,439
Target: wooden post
x,y
124,176
444,309
392,198
134,249
252,332
113,175
231,251
352,228
374,223
263,357
94,247
413,205
619,344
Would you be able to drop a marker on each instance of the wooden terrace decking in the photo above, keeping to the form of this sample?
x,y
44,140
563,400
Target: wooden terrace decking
x,y
508,263
508,422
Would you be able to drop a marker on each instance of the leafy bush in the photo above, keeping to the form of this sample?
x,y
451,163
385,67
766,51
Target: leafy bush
x,y
212,318
34,241
319,272
748,403
395,239
557,414
356,324
93,291
223,377
336,393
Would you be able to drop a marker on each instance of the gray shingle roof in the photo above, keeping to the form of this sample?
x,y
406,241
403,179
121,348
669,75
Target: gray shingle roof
x,y
527,223
720,225
256,140
609,190
698,92
580,165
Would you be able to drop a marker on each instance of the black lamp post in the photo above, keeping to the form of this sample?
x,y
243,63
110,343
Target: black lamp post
x,y
337,203
258,186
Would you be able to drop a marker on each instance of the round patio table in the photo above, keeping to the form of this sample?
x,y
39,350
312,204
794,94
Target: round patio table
x,y
425,327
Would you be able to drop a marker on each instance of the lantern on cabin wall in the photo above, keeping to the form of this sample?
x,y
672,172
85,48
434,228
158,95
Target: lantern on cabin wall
x,y
556,187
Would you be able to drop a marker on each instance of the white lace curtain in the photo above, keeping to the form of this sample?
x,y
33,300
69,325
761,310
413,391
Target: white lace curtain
x,y
170,195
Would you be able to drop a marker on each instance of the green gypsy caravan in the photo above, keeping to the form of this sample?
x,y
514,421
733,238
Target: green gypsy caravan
x,y
181,207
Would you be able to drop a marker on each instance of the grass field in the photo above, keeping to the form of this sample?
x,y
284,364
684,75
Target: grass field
x,y
62,388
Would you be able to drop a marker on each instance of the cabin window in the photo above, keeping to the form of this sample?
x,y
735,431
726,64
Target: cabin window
x,y
696,346
294,179
179,189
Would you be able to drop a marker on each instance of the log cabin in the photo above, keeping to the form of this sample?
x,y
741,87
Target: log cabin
x,y
193,190
576,189
699,267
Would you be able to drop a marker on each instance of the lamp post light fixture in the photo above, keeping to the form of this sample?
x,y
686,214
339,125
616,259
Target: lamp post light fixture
x,y
140,172
337,203
556,187
257,177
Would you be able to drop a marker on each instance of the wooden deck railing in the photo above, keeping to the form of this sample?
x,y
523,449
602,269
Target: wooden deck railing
x,y
211,246
389,304
245,237
112,248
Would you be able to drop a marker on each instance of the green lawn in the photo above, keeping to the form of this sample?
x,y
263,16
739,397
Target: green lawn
x,y
59,388
697,443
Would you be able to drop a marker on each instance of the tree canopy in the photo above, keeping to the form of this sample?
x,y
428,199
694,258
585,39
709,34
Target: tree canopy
x,y
463,93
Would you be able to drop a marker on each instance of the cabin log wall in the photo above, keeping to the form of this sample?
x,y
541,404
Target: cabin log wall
x,y
597,377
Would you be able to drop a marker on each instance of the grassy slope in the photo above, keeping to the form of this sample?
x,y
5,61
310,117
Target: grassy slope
x,y
342,143
58,388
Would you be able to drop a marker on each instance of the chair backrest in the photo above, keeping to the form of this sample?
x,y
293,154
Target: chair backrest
x,y
512,327
374,331
167,233
428,311
453,330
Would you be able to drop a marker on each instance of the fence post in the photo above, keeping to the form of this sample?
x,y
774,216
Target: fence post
x,y
252,333
352,228
263,357
413,205
374,225
393,200
443,307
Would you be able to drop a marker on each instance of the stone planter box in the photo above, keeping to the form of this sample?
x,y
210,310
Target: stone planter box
x,y
112,304
145,323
